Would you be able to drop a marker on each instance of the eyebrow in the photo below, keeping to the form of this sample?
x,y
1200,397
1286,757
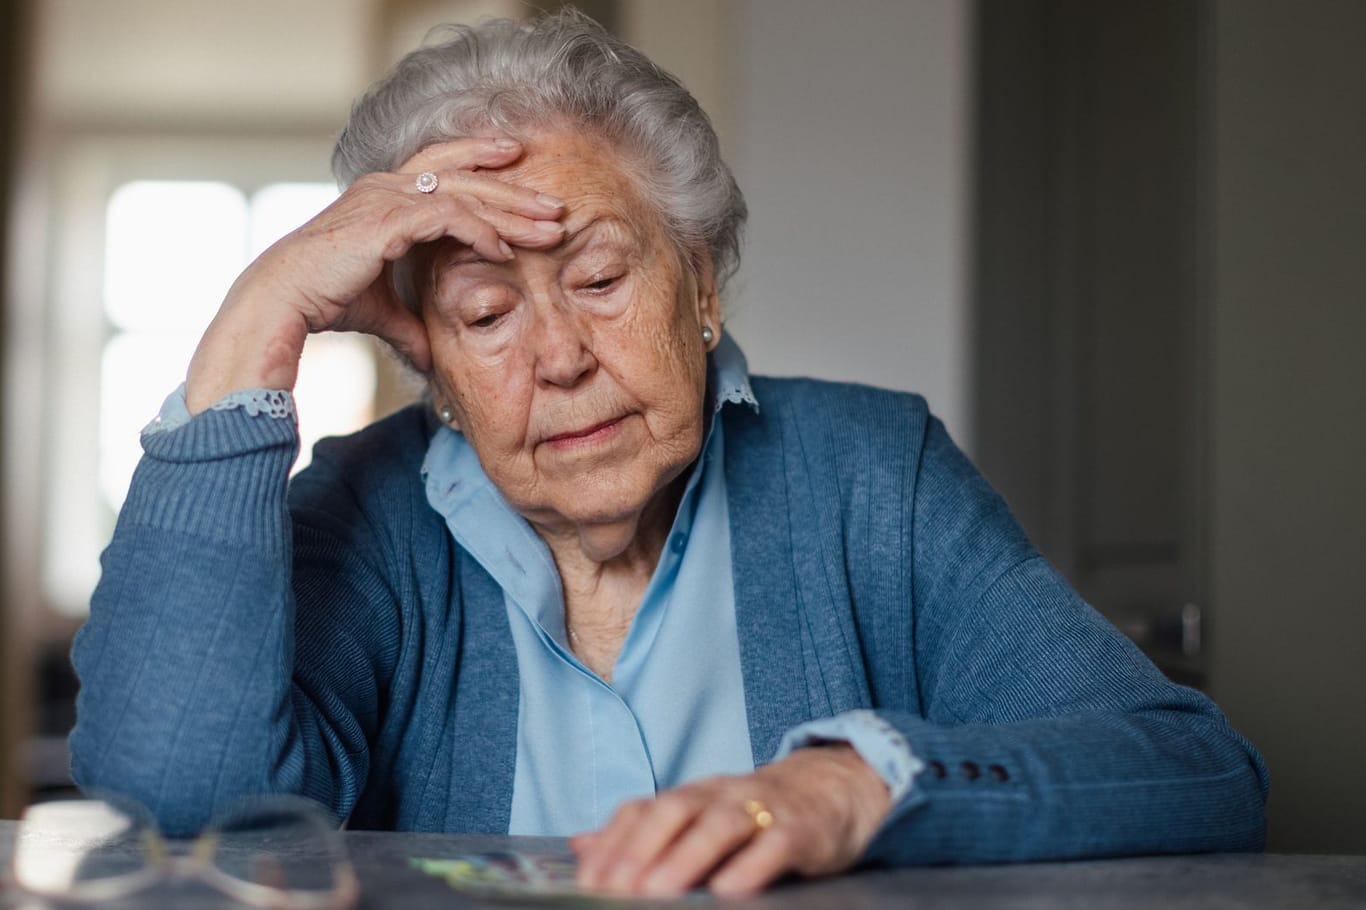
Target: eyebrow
x,y
575,238
571,235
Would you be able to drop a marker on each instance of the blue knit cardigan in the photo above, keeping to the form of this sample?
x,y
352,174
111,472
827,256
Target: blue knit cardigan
x,y
333,641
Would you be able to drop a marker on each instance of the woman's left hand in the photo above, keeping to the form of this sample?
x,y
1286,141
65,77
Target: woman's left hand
x,y
824,804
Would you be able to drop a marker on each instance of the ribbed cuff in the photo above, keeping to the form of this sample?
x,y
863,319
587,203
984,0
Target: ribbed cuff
x,y
222,475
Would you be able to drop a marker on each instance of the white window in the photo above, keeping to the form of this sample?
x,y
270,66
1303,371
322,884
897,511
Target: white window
x,y
166,250
172,247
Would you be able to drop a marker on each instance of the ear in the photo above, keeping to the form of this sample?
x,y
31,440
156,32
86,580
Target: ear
x,y
707,301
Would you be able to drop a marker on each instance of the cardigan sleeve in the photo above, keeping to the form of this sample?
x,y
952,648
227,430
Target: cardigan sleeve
x,y
193,694
1045,732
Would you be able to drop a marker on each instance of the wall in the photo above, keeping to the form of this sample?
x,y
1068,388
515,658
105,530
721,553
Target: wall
x,y
847,127
1288,541
695,42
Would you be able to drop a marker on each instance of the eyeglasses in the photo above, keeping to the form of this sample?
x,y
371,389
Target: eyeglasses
x,y
281,853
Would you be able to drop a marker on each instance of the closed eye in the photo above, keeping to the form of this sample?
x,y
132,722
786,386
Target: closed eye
x,y
602,284
486,322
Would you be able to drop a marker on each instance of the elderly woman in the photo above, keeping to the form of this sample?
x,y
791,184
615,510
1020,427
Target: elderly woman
x,y
602,581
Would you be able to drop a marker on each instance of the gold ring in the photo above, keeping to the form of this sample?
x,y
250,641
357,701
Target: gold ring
x,y
758,813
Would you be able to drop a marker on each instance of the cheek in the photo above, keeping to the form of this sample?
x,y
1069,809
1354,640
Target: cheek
x,y
491,395
660,358
686,353
663,324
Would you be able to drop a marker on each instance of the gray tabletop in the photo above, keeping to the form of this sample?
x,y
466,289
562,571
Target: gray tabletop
x,y
1218,881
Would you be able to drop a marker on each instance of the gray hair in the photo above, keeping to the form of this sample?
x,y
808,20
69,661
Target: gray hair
x,y
563,69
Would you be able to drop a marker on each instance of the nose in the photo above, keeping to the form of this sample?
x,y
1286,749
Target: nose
x,y
563,354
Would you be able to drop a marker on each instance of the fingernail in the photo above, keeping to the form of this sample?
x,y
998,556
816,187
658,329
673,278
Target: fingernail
x,y
506,143
549,200
549,227
507,250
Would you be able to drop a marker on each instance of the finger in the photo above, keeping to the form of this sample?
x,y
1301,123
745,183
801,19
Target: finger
x,y
519,231
767,857
717,833
474,228
478,212
640,852
537,231
457,154
405,226
503,194
599,854
376,217
582,842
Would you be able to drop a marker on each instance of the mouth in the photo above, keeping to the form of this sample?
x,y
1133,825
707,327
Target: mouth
x,y
589,435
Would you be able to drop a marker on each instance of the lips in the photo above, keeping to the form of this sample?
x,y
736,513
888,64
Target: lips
x,y
591,433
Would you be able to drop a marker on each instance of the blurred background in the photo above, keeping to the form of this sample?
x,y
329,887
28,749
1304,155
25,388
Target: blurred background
x,y
1121,248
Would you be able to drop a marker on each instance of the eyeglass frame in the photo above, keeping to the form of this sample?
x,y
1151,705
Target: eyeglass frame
x,y
161,864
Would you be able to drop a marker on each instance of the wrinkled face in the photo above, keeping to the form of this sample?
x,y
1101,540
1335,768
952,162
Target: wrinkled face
x,y
576,373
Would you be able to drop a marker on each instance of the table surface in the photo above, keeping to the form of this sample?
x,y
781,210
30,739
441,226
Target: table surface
x,y
1222,881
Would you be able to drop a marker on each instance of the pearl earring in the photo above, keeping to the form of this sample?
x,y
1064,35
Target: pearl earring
x,y
447,415
707,334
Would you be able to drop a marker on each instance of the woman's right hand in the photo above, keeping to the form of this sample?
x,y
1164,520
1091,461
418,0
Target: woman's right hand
x,y
334,272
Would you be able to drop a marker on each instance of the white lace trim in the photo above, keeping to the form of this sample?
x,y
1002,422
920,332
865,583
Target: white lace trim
x,y
741,394
276,403
271,402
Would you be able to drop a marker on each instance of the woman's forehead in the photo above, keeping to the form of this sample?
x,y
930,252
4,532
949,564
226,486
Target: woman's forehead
x,y
586,172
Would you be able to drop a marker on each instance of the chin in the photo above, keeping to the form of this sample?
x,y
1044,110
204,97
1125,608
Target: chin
x,y
602,511
608,500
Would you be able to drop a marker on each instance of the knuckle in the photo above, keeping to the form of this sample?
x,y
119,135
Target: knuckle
x,y
469,202
633,809
395,248
463,178
366,182
781,840
386,218
447,206
735,825
674,802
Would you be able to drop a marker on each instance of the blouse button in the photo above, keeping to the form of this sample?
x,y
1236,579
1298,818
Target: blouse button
x,y
970,770
998,772
938,770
